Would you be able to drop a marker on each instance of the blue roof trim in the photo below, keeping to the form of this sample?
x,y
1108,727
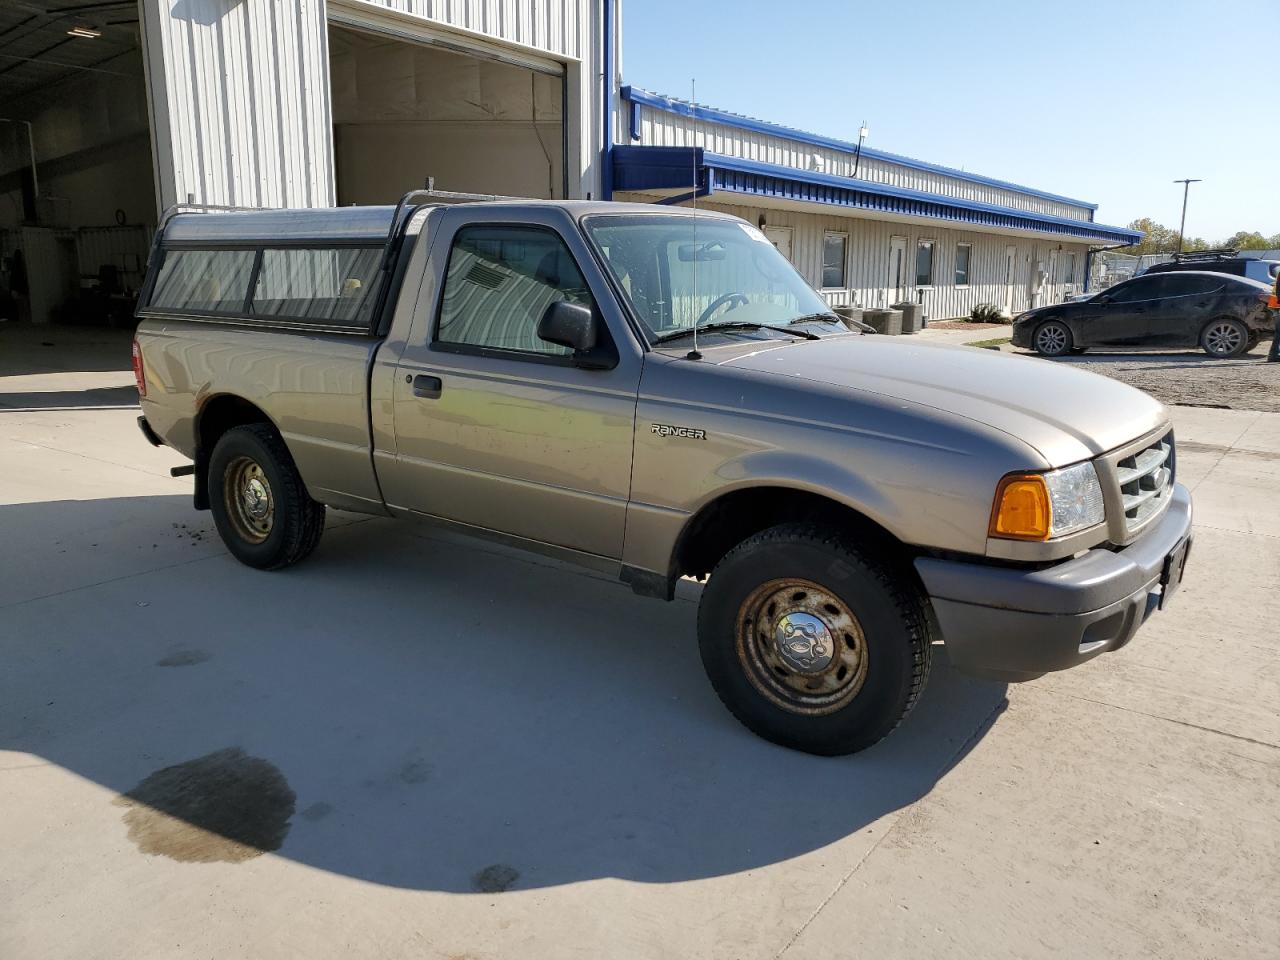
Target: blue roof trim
x,y
648,168
683,108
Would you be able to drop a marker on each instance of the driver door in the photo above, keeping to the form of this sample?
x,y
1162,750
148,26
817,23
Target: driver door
x,y
494,427
1124,319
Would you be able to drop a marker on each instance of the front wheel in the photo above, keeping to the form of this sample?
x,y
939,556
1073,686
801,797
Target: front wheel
x,y
260,506
1052,339
812,644
1224,338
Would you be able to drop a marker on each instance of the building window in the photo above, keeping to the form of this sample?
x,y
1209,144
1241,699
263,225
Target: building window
x,y
924,264
1069,268
834,247
962,264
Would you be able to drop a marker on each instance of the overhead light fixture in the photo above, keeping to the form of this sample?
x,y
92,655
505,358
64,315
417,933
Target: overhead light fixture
x,y
88,33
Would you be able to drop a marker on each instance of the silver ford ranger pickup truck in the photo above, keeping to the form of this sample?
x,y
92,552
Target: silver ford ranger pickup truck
x,y
656,393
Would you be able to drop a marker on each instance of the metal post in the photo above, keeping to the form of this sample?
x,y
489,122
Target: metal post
x,y
31,147
1182,229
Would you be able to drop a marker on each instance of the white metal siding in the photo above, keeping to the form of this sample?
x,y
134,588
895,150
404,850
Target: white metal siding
x,y
659,128
240,102
555,26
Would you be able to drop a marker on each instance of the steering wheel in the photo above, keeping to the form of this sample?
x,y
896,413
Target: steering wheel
x,y
719,302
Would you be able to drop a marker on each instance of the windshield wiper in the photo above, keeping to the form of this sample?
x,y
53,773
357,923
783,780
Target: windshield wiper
x,y
825,315
735,325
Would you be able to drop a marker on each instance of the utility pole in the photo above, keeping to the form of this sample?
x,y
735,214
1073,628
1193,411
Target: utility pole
x,y
1182,230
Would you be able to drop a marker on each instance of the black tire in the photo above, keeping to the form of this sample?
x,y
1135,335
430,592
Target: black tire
x,y
891,642
1078,351
1224,338
292,524
1052,339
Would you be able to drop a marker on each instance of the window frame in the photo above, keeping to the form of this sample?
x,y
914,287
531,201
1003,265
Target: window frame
x,y
968,263
245,316
434,343
844,261
932,244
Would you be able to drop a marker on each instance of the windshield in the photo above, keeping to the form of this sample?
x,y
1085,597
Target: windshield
x,y
684,269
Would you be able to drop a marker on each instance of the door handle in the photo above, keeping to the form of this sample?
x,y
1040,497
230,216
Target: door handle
x,y
427,387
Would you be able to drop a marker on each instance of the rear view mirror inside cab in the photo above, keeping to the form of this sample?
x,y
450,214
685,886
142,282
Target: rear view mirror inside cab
x,y
712,250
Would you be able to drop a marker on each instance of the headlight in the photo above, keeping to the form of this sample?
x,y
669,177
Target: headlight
x,y
1041,506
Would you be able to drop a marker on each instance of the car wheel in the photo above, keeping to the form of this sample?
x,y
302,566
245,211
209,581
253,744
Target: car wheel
x,y
1052,339
1224,338
260,505
810,642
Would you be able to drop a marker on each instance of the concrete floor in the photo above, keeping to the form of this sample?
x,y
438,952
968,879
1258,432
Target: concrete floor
x,y
453,718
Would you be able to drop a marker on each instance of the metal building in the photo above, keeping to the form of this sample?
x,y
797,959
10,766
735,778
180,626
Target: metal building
x,y
864,227
113,110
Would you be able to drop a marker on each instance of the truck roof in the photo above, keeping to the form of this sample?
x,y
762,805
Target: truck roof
x,y
355,224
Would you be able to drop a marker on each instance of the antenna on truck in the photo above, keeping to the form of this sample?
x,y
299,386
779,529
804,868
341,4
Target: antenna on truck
x,y
693,100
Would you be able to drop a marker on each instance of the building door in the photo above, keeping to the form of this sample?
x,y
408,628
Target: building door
x,y
897,282
780,237
1010,273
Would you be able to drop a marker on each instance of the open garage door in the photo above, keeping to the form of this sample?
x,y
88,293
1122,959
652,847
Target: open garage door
x,y
407,108
77,194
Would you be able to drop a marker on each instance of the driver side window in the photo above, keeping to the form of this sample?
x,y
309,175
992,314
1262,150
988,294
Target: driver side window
x,y
1144,288
498,284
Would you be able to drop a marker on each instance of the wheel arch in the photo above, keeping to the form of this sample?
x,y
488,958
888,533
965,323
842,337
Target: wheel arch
x,y
732,516
218,414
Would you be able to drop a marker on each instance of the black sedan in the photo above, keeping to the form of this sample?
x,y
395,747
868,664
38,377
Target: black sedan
x,y
1222,314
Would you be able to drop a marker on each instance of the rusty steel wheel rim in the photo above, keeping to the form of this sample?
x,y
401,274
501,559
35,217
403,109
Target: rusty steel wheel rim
x,y
248,498
801,646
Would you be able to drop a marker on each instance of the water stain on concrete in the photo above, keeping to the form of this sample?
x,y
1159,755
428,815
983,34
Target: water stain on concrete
x,y
317,811
495,878
184,658
223,807
415,771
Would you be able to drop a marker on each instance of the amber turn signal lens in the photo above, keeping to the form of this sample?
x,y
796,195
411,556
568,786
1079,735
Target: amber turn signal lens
x,y
1021,510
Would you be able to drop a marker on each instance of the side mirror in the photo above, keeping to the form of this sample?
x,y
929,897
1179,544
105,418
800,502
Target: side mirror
x,y
569,325
1102,298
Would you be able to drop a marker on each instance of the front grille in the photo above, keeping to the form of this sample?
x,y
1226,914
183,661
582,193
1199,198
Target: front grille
x,y
1146,480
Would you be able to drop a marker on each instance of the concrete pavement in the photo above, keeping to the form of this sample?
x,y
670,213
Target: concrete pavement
x,y
487,756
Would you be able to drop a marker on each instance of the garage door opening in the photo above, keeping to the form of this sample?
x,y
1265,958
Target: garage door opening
x,y
404,112
77,194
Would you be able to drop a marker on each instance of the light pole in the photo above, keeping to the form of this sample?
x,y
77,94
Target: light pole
x,y
1186,187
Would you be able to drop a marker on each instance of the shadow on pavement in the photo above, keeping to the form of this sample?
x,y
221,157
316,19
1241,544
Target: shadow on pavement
x,y
443,716
92,398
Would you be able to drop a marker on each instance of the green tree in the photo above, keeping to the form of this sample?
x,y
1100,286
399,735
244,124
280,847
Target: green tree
x,y
1247,240
1157,238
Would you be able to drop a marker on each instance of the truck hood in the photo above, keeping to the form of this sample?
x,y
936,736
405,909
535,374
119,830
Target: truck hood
x,y
1066,414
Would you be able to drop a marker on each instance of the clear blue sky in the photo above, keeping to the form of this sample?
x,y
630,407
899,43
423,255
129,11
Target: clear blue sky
x,y
1103,102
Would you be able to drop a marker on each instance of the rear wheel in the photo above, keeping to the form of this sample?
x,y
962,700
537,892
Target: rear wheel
x,y
1052,339
1224,337
260,505
812,644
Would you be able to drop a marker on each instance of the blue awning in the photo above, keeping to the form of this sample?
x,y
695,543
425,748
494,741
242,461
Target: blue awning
x,y
670,168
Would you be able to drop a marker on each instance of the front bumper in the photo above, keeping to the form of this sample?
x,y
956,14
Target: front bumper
x,y
1020,336
1008,624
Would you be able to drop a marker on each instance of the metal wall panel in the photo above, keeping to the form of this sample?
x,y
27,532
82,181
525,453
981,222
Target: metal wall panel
x,y
239,102
555,26
659,128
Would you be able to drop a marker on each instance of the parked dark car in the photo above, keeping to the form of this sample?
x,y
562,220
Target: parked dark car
x,y
1221,261
1224,315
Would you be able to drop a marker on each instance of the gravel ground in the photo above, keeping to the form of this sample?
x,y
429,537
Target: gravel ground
x,y
1192,378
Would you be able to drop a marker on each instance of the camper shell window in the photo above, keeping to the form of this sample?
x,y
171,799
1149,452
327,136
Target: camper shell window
x,y
328,286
